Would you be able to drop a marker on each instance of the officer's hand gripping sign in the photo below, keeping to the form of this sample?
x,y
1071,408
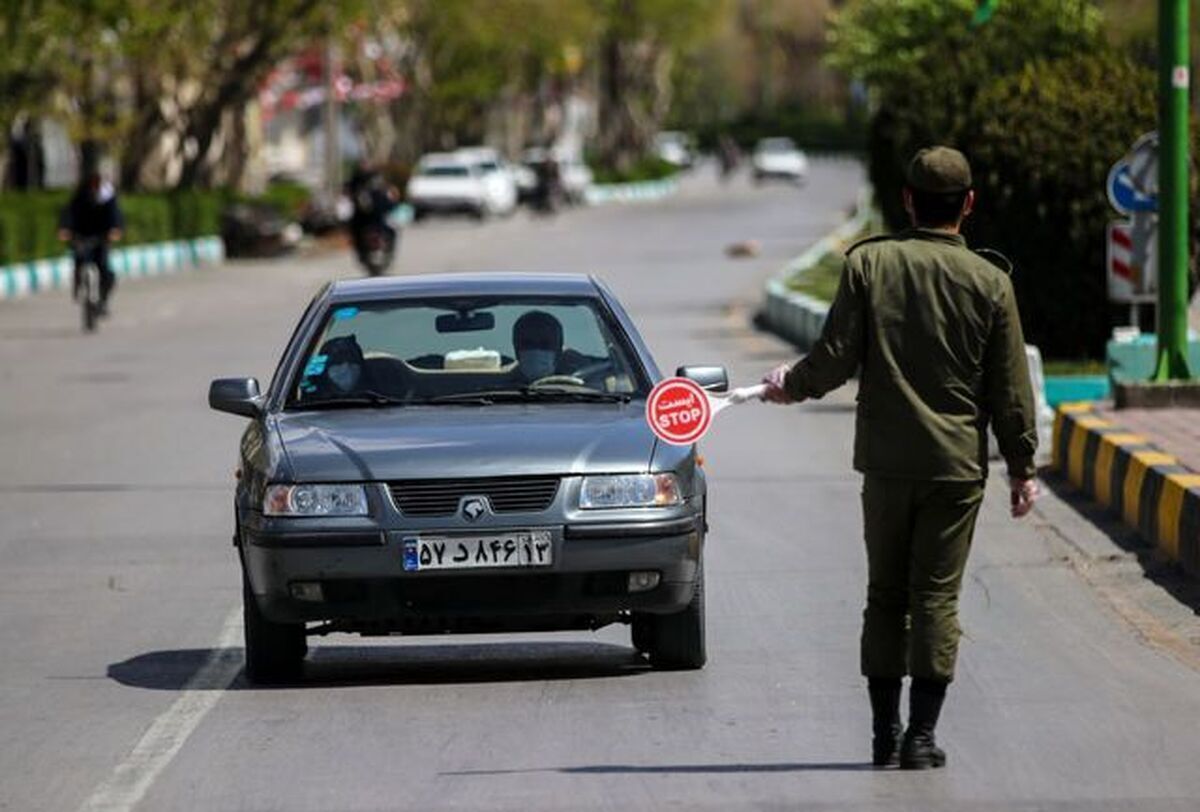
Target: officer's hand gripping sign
x,y
680,412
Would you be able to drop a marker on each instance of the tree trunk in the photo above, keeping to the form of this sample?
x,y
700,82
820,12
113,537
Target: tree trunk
x,y
143,138
237,87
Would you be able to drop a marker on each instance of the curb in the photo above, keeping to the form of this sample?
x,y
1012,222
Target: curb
x,y
797,316
151,259
631,192
1127,474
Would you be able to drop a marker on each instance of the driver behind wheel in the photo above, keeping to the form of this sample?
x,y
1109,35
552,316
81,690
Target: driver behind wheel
x,y
538,344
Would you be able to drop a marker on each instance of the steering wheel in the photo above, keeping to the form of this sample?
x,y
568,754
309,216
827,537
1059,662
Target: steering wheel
x,y
589,370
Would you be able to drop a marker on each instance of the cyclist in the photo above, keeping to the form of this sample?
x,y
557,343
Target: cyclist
x,y
90,221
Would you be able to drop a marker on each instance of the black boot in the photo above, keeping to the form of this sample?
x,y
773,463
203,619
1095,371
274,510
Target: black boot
x,y
919,750
885,712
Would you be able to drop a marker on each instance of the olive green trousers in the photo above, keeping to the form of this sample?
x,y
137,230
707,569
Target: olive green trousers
x,y
918,535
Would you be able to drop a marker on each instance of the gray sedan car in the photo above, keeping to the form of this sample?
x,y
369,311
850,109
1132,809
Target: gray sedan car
x,y
464,453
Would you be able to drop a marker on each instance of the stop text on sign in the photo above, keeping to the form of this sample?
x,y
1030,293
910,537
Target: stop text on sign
x,y
678,411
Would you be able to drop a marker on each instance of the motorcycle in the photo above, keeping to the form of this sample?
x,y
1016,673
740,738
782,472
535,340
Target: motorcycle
x,y
376,248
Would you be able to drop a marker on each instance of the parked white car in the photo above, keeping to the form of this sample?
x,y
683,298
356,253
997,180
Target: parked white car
x,y
444,182
779,158
675,148
500,181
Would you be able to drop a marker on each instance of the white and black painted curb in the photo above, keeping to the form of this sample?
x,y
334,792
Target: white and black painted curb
x,y
151,259
631,192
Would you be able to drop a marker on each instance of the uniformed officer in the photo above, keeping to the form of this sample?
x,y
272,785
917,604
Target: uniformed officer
x,y
935,330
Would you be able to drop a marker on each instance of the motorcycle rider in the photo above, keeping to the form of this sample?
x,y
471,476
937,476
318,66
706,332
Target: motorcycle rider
x,y
548,191
373,198
92,214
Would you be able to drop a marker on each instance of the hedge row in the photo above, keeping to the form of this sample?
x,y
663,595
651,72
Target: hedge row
x,y
29,220
816,130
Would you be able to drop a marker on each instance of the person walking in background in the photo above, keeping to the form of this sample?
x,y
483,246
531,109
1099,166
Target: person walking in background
x,y
935,330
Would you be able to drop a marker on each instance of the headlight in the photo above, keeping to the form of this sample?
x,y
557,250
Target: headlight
x,y
633,490
315,500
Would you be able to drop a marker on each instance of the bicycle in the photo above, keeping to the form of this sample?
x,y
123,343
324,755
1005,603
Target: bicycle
x,y
87,282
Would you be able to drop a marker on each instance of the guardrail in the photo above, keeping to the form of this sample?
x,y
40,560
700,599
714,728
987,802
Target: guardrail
x,y
151,259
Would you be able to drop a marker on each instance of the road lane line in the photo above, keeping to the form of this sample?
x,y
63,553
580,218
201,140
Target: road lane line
x,y
132,778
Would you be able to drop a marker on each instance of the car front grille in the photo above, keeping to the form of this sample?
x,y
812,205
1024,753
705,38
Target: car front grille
x,y
441,497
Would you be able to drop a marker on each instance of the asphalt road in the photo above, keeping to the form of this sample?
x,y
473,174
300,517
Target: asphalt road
x,y
120,650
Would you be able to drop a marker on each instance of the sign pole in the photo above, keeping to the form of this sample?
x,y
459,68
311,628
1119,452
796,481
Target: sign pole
x,y
1172,361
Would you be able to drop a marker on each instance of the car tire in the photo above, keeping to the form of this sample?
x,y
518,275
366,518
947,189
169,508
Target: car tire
x,y
274,651
676,641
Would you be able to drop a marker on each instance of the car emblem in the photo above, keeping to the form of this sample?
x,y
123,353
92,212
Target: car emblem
x,y
473,509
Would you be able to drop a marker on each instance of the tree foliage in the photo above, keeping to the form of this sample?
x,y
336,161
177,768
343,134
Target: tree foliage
x,y
639,40
1041,186
1041,103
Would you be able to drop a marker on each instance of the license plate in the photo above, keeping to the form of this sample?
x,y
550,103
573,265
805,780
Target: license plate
x,y
531,548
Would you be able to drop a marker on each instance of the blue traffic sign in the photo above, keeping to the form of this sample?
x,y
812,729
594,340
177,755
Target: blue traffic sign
x,y
1124,195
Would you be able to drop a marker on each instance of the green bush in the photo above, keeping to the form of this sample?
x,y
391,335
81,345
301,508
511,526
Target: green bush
x,y
1041,188
649,168
286,197
29,220
814,130
1041,105
196,213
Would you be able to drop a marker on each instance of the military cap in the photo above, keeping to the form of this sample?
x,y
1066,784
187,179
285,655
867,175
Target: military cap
x,y
939,170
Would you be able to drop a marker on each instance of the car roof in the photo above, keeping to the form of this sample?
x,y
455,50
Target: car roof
x,y
477,153
463,284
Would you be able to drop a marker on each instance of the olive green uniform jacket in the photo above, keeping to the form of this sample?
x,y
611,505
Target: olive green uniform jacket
x,y
935,330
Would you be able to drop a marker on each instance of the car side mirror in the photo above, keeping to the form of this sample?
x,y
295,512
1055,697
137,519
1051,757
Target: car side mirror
x,y
238,396
710,378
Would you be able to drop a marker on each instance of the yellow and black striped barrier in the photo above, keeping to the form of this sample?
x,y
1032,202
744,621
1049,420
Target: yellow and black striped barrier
x,y
1130,476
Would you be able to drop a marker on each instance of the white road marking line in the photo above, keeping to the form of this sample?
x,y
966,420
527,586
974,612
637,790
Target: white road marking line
x,y
132,778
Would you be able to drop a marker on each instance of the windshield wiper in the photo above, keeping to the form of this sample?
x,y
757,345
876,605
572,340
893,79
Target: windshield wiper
x,y
358,399
533,394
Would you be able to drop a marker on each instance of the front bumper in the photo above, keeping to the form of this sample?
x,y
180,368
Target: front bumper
x,y
364,586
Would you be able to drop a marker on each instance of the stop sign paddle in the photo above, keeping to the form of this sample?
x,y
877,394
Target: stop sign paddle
x,y
678,411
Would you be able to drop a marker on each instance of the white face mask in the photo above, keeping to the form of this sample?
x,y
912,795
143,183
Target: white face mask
x,y
537,363
344,376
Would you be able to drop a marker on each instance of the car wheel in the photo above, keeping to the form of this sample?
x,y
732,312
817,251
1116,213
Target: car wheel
x,y
677,641
481,213
274,651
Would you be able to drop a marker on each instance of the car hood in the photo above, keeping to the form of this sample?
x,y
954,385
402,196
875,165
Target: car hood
x,y
463,441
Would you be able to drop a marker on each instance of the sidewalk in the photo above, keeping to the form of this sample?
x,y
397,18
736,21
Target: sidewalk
x,y
1143,465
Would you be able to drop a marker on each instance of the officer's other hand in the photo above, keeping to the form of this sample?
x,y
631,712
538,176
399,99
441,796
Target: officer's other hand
x,y
1024,492
775,391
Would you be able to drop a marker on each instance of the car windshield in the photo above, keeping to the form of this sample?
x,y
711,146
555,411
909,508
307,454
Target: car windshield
x,y
445,171
467,352
777,145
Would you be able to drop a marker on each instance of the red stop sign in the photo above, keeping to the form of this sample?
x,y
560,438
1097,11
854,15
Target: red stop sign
x,y
678,411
